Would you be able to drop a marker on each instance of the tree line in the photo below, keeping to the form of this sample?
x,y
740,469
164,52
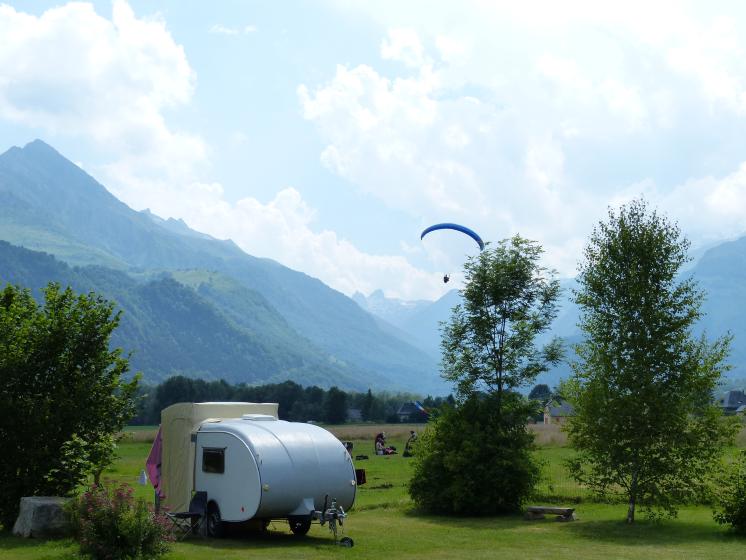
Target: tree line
x,y
296,403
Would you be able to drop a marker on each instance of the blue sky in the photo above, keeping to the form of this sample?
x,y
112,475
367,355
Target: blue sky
x,y
326,135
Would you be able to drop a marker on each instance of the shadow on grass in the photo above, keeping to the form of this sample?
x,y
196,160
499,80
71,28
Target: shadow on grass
x,y
612,531
57,549
647,533
476,523
258,540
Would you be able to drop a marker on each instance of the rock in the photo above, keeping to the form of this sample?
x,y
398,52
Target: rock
x,y
42,517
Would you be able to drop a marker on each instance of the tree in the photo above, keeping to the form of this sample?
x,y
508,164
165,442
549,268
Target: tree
x,y
645,426
541,393
509,299
335,406
367,406
489,351
475,461
62,392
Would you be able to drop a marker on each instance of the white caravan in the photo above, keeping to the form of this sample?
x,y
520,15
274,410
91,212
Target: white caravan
x,y
252,465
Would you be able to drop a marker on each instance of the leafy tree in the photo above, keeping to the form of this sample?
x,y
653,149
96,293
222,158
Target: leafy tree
x,y
367,407
335,406
509,299
62,393
475,460
731,495
489,351
644,425
540,392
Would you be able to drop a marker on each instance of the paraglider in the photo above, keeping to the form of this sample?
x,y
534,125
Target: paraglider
x,y
463,229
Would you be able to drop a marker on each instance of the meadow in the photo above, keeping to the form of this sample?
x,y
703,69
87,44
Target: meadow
x,y
384,522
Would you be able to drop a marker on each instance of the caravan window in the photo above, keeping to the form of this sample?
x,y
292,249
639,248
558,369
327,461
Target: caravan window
x,y
213,460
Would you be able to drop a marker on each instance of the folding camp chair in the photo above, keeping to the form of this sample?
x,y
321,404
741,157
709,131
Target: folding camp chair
x,y
186,522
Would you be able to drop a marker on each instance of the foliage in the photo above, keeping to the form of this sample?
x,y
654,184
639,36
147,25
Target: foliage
x,y
62,392
731,496
508,300
297,403
474,460
112,525
477,457
540,392
335,406
641,389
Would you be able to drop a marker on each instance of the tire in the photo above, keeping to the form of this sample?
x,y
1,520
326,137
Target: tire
x,y
299,525
214,526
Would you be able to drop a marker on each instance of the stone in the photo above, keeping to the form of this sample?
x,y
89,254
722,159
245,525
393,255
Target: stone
x,y
42,517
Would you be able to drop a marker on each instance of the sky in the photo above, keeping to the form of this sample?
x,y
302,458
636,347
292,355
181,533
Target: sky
x,y
328,134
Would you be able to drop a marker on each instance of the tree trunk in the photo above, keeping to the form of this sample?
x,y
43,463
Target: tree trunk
x,y
631,510
632,499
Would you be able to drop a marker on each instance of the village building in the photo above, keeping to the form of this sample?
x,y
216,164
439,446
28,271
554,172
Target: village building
x,y
410,412
557,411
733,402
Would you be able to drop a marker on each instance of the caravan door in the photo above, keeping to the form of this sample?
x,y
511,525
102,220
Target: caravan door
x,y
226,469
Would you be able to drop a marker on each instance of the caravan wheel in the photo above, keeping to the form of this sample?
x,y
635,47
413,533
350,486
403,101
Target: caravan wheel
x,y
214,524
299,525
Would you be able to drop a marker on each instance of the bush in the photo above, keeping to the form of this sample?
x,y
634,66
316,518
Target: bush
x,y
474,461
731,496
111,525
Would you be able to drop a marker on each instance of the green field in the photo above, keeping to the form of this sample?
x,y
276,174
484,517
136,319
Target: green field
x,y
385,524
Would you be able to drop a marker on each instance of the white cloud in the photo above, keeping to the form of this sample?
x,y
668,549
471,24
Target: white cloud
x,y
110,83
546,115
404,46
220,29
283,229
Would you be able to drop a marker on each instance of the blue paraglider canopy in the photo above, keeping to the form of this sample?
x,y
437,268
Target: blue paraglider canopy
x,y
457,227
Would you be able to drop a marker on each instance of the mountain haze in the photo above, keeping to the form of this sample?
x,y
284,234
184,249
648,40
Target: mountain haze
x,y
49,204
720,271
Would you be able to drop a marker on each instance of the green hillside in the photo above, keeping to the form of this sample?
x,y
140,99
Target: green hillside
x,y
58,208
170,328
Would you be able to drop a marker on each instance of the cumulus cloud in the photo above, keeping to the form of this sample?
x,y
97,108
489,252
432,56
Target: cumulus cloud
x,y
543,118
110,83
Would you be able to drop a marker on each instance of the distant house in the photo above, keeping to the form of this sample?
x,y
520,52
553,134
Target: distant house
x,y
354,415
557,411
731,401
410,412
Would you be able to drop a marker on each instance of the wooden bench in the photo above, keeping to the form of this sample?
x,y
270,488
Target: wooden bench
x,y
538,512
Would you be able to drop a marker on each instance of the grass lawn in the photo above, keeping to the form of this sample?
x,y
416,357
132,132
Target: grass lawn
x,y
385,525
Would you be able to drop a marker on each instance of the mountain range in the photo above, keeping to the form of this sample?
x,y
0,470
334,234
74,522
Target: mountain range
x,y
720,271
192,304
202,307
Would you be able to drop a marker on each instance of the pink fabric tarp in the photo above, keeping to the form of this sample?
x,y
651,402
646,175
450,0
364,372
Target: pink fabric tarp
x,y
153,464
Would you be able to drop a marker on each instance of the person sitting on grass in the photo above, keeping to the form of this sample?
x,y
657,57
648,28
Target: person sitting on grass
x,y
381,447
410,443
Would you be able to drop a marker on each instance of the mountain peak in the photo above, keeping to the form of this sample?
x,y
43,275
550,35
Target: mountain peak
x,y
39,145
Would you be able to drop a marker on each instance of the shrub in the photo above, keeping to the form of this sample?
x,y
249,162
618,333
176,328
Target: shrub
x,y
111,525
475,461
731,496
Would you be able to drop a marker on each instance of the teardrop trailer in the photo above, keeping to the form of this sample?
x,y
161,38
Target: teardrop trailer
x,y
252,466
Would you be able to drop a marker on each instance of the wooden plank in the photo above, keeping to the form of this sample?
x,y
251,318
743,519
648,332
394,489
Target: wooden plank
x,y
550,509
